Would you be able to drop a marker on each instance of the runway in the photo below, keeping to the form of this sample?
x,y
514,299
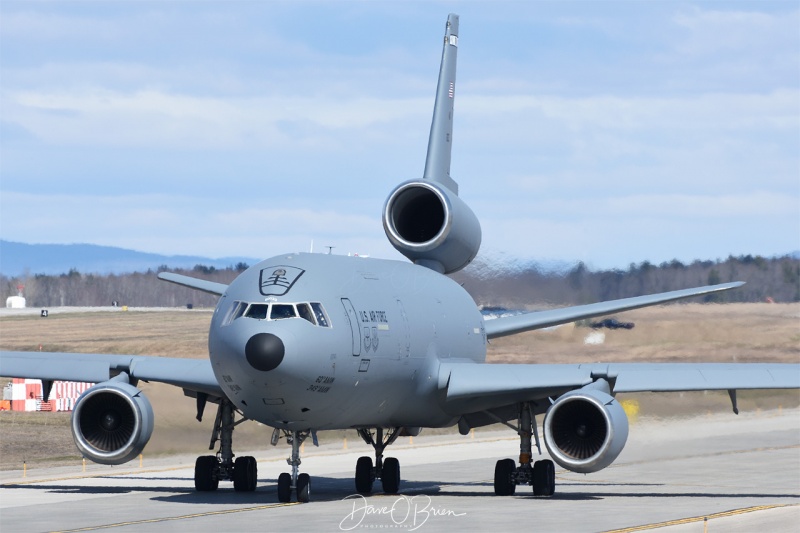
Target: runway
x,y
742,473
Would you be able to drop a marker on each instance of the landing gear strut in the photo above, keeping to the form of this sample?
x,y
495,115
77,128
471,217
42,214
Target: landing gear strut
x,y
387,470
209,470
541,474
300,483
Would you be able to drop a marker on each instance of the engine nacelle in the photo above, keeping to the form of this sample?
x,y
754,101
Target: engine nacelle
x,y
585,430
432,226
112,422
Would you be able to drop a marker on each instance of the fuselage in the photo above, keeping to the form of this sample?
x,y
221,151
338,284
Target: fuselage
x,y
313,341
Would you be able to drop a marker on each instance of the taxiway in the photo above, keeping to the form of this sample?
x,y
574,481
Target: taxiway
x,y
741,473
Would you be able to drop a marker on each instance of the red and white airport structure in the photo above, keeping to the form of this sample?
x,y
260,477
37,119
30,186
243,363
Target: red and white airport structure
x,y
26,395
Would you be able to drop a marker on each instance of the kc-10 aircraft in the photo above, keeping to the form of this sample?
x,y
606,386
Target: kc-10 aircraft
x,y
310,342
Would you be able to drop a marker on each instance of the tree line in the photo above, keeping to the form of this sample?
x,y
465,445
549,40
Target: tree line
x,y
767,279
136,289
776,279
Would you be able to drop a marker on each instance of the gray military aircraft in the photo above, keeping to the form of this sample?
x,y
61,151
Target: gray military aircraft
x,y
310,342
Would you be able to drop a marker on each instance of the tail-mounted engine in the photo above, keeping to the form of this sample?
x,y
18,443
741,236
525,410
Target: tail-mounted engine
x,y
585,430
431,226
112,422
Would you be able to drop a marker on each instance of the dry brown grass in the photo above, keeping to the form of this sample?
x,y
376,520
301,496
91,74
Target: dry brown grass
x,y
685,333
173,334
692,332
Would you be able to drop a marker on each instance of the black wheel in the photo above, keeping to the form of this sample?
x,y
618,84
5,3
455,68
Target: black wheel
x,y
504,482
364,475
390,475
284,488
544,478
303,488
205,473
245,474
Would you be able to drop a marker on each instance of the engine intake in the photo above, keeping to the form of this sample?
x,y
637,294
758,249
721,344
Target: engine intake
x,y
585,430
112,423
432,226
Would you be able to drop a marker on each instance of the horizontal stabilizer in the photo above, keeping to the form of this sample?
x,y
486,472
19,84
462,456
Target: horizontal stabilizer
x,y
194,283
510,325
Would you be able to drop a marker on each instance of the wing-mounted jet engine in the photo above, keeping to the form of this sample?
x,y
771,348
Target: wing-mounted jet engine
x,y
425,220
585,430
112,422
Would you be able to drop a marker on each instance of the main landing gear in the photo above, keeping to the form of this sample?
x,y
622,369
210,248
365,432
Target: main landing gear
x,y
541,475
209,470
387,470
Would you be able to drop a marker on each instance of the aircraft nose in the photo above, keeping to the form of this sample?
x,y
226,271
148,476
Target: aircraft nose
x,y
264,351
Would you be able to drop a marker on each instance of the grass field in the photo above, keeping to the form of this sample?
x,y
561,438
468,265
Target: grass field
x,y
675,333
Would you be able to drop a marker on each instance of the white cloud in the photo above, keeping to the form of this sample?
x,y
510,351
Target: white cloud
x,y
714,31
42,26
775,110
631,207
186,225
157,118
630,118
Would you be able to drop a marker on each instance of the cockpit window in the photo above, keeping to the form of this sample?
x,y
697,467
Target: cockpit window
x,y
319,313
236,310
304,310
312,312
281,311
258,311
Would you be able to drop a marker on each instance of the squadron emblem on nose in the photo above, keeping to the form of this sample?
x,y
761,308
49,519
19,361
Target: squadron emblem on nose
x,y
277,280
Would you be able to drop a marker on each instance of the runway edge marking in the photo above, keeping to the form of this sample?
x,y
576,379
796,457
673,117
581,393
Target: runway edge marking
x,y
689,520
181,517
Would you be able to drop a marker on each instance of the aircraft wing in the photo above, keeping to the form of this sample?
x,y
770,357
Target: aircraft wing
x,y
510,325
472,387
194,283
190,374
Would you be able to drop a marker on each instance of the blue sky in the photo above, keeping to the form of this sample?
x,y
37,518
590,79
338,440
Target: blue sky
x,y
607,132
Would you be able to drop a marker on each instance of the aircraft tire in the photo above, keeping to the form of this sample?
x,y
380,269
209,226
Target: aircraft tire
x,y
245,474
303,488
205,468
544,478
285,488
504,483
390,476
364,476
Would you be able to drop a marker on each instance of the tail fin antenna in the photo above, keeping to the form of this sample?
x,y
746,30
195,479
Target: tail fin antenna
x,y
437,164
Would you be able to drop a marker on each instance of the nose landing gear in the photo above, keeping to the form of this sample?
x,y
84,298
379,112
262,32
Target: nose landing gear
x,y
299,483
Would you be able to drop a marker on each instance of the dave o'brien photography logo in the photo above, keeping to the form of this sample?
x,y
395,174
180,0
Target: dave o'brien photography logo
x,y
408,513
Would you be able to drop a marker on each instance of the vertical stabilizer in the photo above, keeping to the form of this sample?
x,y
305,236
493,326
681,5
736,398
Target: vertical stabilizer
x,y
437,164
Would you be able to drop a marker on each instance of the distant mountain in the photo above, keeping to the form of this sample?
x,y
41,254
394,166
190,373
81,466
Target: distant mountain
x,y
19,258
